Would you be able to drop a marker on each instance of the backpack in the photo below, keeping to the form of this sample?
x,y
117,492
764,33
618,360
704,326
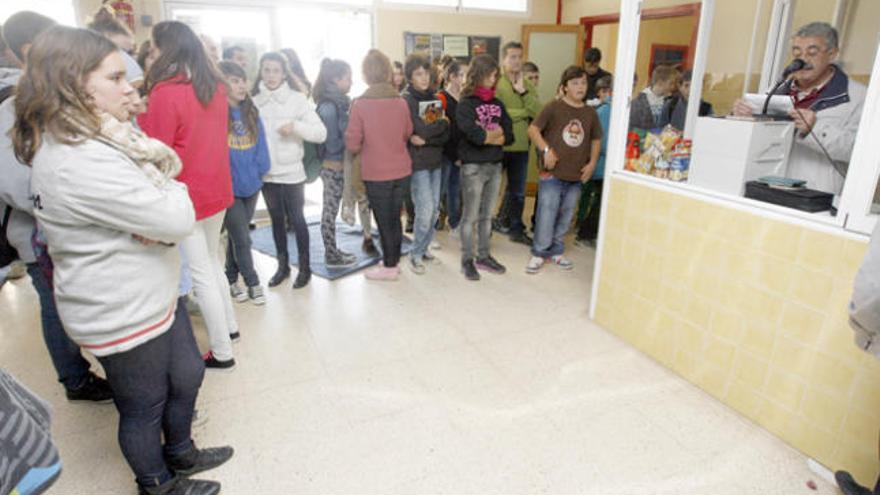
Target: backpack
x,y
312,161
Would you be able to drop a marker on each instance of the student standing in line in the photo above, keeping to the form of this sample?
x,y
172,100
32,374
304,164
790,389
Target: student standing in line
x,y
521,102
430,133
486,128
249,161
188,111
567,133
450,190
72,369
112,214
379,129
289,120
331,94
589,211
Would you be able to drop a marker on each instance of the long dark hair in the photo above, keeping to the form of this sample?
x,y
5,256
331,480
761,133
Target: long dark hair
x,y
182,54
449,67
249,112
273,57
331,70
296,67
481,67
51,97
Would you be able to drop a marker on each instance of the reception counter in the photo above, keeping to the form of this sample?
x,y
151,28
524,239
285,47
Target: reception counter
x,y
749,306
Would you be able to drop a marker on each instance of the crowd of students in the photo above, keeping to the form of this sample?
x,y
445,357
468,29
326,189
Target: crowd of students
x,y
118,168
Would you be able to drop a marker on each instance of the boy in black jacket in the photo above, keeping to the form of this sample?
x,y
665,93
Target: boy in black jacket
x,y
430,133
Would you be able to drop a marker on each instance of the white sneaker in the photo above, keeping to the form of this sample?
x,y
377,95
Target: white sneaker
x,y
436,245
417,266
430,258
255,294
237,293
563,262
534,265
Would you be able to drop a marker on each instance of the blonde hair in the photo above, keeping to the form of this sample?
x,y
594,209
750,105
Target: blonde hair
x,y
51,96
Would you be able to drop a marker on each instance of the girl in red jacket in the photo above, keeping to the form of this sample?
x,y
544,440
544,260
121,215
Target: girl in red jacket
x,y
188,112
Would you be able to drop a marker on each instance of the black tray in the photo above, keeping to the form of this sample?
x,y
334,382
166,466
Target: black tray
x,y
808,200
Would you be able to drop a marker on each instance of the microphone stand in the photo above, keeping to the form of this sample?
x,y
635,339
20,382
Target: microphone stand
x,y
771,94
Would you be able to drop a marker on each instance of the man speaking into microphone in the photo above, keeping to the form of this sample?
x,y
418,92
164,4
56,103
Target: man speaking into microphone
x,y
827,109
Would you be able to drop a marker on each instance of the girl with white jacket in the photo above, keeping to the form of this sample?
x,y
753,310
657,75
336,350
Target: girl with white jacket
x,y
289,119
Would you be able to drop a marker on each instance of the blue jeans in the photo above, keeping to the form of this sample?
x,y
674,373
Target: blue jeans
x,y
155,387
516,163
426,198
72,368
557,202
450,188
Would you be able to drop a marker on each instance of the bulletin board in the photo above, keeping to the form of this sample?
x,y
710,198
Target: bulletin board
x,y
461,47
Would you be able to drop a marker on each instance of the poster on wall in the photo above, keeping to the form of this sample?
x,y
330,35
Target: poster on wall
x,y
459,46
456,46
481,45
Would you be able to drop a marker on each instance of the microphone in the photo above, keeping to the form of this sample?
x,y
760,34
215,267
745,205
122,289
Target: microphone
x,y
795,65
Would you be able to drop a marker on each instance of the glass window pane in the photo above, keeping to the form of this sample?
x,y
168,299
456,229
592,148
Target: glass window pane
x,y
317,33
507,5
59,10
425,3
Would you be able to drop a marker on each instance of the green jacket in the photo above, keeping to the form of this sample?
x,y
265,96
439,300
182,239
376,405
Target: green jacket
x,y
522,110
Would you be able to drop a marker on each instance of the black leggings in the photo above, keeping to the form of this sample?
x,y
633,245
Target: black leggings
x,y
386,199
285,202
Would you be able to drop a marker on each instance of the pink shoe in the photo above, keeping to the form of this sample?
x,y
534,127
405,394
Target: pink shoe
x,y
380,272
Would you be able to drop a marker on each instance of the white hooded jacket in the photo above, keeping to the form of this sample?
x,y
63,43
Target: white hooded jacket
x,y
278,108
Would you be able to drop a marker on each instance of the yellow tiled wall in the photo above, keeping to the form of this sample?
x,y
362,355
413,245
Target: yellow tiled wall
x,y
753,311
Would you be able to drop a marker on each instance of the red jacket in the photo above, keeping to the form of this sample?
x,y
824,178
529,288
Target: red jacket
x,y
198,134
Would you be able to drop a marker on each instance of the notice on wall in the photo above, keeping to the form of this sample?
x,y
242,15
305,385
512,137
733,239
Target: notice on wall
x,y
462,47
456,46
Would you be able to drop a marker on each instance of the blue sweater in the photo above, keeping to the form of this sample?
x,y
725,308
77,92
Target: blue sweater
x,y
604,112
248,156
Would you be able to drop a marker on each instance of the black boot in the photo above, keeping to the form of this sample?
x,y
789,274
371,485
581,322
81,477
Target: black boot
x,y
182,486
280,275
197,460
848,485
302,278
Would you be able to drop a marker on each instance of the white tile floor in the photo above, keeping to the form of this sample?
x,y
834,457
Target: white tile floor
x,y
433,385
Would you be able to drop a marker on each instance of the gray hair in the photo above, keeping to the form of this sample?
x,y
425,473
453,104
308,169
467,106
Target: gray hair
x,y
820,30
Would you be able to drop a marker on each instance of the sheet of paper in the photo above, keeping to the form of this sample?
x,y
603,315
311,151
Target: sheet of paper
x,y
779,104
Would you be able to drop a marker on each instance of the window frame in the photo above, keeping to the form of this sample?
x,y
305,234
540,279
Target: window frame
x,y
458,8
853,220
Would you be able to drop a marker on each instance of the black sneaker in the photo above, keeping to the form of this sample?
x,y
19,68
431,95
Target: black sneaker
x,y
499,225
197,460
490,265
849,486
521,238
213,363
370,248
409,226
95,389
235,336
182,486
280,275
469,270
302,279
